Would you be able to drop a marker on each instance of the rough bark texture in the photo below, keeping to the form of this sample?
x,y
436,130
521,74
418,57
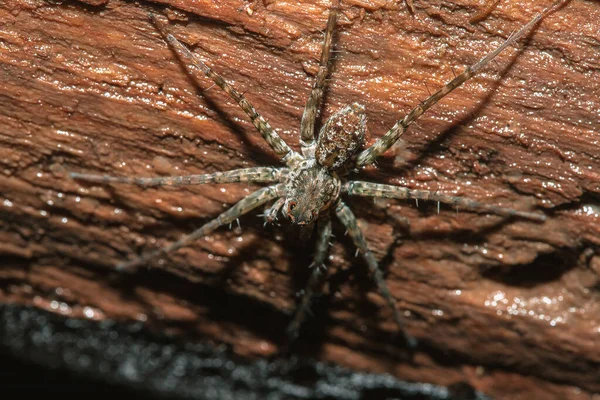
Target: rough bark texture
x,y
509,306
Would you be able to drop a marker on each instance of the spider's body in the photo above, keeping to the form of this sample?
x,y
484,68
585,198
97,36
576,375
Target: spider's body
x,y
311,187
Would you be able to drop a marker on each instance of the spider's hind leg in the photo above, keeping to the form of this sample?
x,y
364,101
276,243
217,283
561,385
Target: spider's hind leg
x,y
315,280
349,220
313,104
194,63
385,142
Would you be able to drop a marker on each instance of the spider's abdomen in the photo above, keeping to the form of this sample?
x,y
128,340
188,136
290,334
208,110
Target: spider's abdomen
x,y
341,136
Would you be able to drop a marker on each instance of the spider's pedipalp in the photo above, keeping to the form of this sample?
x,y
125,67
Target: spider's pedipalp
x,y
256,174
384,143
271,212
316,278
245,205
313,104
370,189
194,63
349,220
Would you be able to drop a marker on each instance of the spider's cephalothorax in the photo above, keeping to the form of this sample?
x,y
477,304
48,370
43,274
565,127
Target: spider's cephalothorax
x,y
309,186
309,190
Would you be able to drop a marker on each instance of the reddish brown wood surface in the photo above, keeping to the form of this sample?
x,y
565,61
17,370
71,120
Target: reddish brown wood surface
x,y
511,307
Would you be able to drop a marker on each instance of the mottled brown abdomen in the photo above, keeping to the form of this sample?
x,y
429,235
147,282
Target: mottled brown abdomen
x,y
341,136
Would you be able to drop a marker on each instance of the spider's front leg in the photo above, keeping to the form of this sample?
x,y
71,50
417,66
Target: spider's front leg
x,y
370,189
315,280
245,205
349,220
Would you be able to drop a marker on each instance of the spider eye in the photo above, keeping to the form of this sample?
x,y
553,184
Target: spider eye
x,y
292,205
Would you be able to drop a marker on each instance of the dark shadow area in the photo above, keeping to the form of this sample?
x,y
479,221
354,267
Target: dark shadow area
x,y
25,377
475,234
544,269
261,318
45,351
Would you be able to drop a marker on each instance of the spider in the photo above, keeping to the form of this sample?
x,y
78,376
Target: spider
x,y
308,190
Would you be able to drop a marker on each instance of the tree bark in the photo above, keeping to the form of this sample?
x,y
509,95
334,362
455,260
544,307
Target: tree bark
x,y
511,307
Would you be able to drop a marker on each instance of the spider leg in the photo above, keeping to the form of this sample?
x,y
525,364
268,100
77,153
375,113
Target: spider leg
x,y
315,280
257,174
194,63
386,141
357,188
349,220
313,104
245,205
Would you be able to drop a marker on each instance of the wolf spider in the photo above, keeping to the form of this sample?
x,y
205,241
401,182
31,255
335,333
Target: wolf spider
x,y
308,189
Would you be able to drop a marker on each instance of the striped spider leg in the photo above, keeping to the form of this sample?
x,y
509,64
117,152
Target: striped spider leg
x,y
384,143
195,64
316,276
359,188
255,175
256,199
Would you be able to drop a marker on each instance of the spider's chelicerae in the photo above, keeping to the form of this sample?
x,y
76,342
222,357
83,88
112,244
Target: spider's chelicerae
x,y
309,189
